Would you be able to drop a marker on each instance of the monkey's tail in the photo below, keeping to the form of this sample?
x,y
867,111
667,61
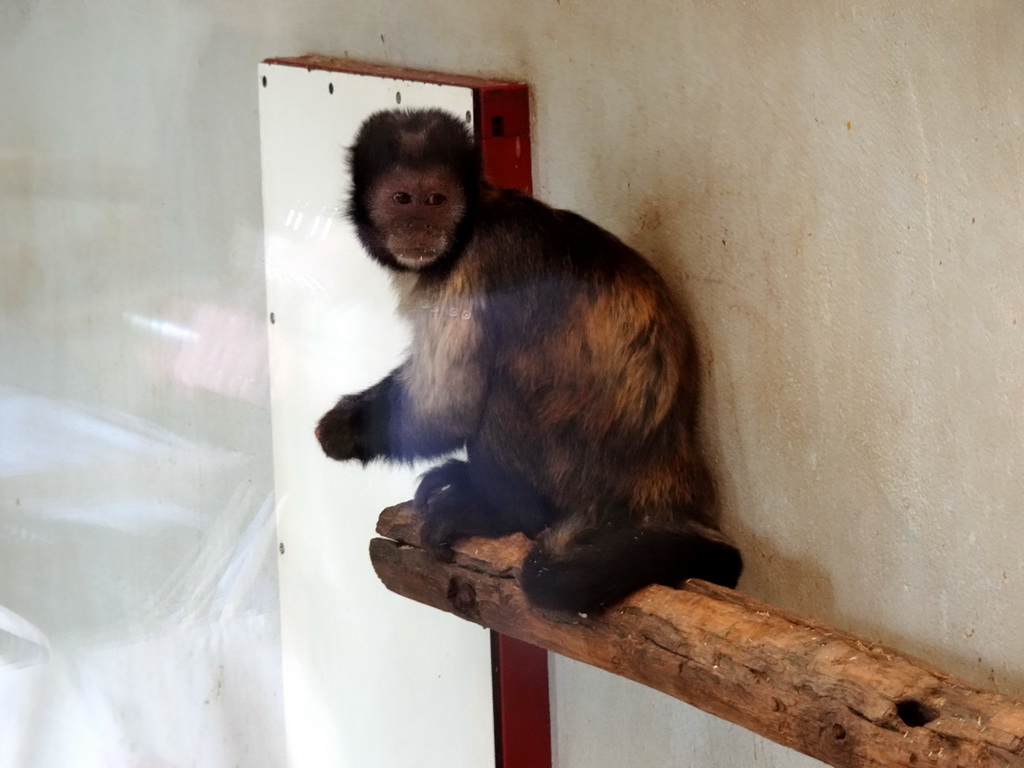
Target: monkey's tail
x,y
599,567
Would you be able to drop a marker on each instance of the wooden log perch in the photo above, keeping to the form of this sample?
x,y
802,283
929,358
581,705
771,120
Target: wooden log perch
x,y
843,700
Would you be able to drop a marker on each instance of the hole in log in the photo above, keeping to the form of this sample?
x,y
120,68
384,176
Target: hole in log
x,y
914,713
462,597
838,732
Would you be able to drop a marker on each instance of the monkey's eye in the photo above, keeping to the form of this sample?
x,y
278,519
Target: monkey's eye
x,y
402,198
436,198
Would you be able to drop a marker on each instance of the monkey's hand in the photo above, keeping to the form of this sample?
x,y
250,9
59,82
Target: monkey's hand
x,y
378,423
450,509
439,499
340,430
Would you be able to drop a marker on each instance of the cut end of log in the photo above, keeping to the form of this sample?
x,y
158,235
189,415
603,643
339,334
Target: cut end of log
x,y
824,692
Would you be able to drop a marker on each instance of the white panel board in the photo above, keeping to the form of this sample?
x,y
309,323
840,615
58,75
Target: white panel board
x,y
371,679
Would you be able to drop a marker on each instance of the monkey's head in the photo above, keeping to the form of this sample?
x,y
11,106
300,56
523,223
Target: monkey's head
x,y
415,183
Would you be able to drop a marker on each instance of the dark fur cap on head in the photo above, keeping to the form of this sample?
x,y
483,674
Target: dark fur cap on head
x,y
412,138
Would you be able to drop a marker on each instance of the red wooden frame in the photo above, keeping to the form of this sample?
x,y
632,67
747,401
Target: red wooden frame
x,y
522,705
522,719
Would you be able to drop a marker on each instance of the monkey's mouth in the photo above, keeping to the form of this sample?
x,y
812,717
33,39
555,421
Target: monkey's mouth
x,y
416,249
418,255
416,259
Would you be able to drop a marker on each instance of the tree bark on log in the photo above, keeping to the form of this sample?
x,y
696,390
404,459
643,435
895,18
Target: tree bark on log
x,y
829,694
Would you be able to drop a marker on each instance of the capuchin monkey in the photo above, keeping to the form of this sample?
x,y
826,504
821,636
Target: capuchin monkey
x,y
548,349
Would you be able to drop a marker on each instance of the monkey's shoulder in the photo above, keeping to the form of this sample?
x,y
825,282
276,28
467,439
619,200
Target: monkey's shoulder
x,y
520,238
554,237
510,209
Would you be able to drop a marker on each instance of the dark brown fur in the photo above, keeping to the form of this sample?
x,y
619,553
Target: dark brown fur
x,y
549,349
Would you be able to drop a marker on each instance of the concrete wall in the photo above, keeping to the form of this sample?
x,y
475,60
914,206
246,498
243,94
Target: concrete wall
x,y
835,189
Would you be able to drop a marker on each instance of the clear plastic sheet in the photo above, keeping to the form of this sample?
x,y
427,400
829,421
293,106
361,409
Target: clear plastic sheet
x,y
138,595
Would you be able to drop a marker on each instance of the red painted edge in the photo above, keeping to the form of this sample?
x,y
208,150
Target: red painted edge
x,y
522,713
503,129
522,703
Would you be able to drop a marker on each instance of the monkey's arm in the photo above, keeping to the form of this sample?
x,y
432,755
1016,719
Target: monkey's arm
x,y
387,422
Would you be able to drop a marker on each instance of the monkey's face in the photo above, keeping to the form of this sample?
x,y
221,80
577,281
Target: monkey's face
x,y
416,213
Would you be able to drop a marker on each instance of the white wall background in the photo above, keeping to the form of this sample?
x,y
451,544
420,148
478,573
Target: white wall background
x,y
835,189
357,657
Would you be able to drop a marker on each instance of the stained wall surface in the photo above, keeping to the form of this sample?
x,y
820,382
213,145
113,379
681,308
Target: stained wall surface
x,y
834,189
